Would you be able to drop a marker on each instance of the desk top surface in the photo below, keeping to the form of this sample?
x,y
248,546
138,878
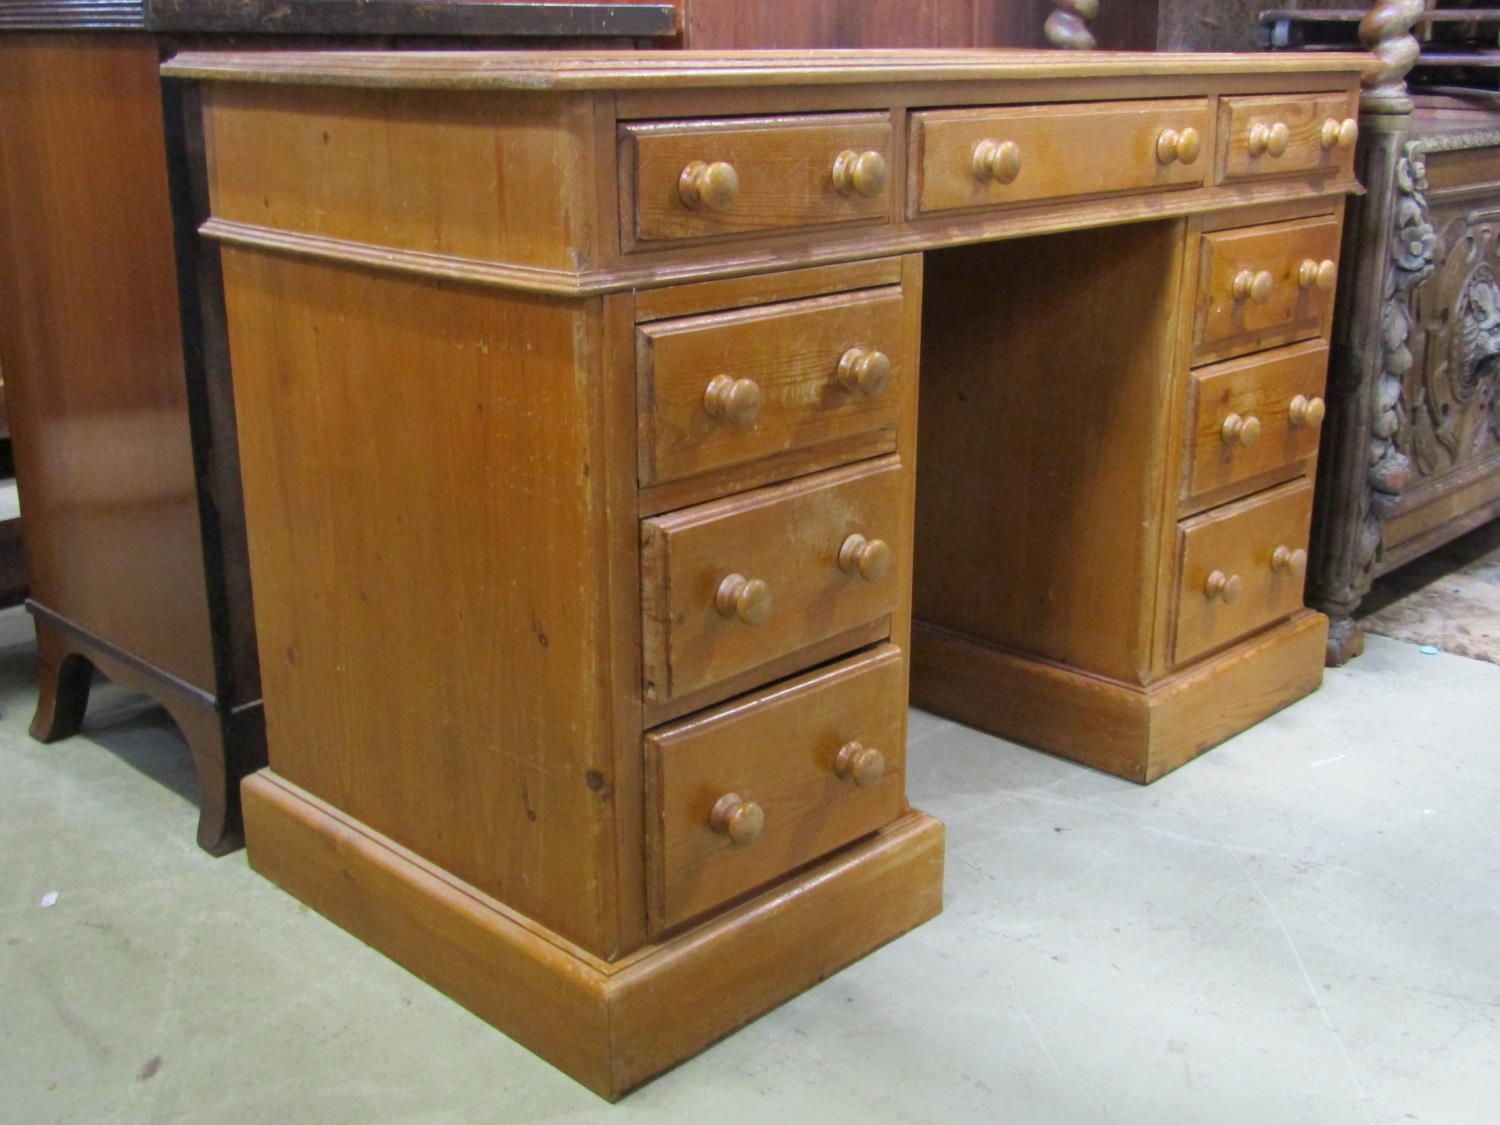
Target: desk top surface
x,y
606,70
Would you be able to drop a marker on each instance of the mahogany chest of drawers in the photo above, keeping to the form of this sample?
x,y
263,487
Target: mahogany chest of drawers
x,y
578,408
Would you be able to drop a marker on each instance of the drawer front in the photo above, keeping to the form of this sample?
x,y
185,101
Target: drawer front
x,y
734,583
1242,568
735,387
1281,135
820,758
1266,285
703,178
992,157
1254,416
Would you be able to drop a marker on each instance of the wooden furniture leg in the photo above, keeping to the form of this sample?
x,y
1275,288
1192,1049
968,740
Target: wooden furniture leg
x,y
226,744
64,676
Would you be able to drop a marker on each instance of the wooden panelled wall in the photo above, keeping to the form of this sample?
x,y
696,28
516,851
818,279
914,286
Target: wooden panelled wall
x,y
1167,25
733,24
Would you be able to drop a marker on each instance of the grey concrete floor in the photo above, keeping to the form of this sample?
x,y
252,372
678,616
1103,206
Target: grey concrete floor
x,y
1301,926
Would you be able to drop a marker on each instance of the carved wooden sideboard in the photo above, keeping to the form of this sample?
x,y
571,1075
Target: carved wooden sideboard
x,y
1412,439
577,404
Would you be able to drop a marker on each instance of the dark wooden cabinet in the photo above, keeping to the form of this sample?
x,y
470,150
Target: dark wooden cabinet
x,y
121,415
134,547
1411,449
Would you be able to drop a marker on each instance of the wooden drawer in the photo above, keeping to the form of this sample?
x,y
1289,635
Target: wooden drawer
x,y
1286,135
708,572
696,179
1241,568
1265,285
1254,416
780,751
735,387
989,157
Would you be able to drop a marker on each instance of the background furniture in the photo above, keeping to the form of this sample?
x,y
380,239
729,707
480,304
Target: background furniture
x,y
1412,439
616,434
131,540
122,423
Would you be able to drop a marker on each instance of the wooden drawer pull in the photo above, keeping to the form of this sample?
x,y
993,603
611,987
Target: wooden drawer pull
x,y
708,187
1255,285
1225,587
727,399
1286,560
997,160
1242,431
869,558
737,818
1314,273
865,371
859,173
1173,145
748,599
1304,411
1269,140
1341,134
864,764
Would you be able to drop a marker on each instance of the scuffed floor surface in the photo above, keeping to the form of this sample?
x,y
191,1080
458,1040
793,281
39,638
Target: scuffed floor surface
x,y
1302,926
1449,599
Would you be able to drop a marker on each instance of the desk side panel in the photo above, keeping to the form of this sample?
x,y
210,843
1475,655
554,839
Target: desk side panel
x,y
425,490
457,174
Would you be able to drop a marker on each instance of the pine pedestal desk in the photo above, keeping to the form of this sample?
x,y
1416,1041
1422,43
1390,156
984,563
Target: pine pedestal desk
x,y
578,407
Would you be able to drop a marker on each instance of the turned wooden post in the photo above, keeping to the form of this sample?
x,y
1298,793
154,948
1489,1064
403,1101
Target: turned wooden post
x,y
1068,26
1385,256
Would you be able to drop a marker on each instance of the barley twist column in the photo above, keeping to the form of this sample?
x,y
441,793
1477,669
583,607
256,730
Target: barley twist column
x,y
1068,26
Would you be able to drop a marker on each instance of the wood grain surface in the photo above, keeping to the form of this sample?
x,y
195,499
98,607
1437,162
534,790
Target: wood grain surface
x,y
1261,386
1064,151
1238,540
776,748
787,536
91,343
790,353
425,482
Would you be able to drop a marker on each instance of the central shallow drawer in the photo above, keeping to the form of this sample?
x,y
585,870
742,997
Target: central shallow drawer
x,y
1018,154
793,771
1265,285
734,387
1242,567
735,583
696,179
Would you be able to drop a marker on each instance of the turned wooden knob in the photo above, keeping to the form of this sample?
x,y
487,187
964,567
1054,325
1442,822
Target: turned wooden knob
x,y
1285,560
865,371
864,764
1225,587
1313,273
749,599
1242,431
1304,411
1269,140
737,818
1173,145
727,399
858,173
1256,285
869,558
997,160
708,187
1339,134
